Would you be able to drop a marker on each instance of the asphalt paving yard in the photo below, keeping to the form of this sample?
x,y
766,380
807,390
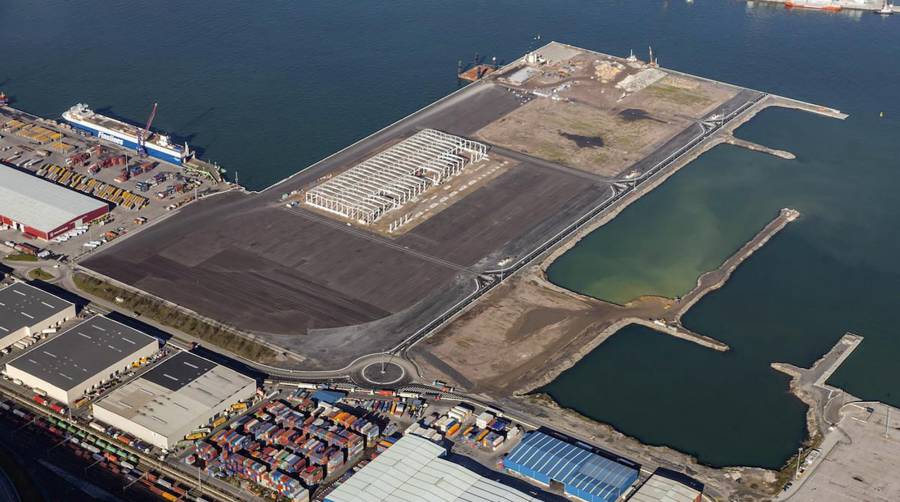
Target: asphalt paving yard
x,y
861,465
330,291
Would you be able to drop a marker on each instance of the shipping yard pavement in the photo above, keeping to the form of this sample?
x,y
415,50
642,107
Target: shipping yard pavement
x,y
49,160
330,291
858,459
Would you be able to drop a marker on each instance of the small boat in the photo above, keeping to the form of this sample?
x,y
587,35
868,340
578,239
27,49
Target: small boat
x,y
4,99
887,10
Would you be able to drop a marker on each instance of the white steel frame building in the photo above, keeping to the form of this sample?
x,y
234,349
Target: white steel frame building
x,y
395,176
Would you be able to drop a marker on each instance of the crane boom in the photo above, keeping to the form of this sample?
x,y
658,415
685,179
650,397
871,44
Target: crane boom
x,y
145,132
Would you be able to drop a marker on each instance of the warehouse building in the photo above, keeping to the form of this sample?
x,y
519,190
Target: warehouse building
x,y
79,359
43,209
585,472
666,485
413,470
26,311
173,398
395,176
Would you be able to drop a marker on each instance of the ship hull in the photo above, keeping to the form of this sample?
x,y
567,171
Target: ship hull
x,y
126,140
829,8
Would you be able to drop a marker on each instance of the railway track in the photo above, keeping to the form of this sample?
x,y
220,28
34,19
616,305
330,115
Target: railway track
x,y
147,461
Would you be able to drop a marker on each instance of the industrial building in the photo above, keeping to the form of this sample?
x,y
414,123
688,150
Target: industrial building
x,y
585,472
395,176
666,485
43,209
173,398
81,358
26,311
412,470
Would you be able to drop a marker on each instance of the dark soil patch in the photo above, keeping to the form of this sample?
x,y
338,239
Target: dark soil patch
x,y
635,114
583,141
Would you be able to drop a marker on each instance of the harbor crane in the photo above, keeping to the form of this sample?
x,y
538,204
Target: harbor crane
x,y
144,133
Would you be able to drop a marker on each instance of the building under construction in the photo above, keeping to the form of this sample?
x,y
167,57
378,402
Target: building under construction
x,y
395,176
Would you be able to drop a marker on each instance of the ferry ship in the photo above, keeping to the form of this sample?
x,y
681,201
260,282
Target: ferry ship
x,y
120,133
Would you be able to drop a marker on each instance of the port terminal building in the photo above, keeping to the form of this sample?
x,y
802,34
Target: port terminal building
x,y
584,472
26,311
412,470
81,358
42,209
172,399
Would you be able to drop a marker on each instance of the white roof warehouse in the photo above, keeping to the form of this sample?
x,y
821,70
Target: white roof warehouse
x,y
173,398
41,208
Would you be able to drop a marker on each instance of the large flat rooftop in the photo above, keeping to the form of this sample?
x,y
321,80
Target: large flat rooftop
x,y
332,290
414,467
38,203
24,305
176,393
81,352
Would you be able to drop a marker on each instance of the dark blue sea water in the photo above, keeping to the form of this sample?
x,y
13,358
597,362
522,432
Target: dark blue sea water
x,y
267,88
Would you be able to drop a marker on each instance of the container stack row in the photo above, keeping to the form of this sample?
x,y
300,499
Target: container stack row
x,y
287,446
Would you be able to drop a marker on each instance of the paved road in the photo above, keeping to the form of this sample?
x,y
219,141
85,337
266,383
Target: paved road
x,y
526,159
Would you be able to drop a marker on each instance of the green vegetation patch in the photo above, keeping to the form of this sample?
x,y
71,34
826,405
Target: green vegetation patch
x,y
162,313
21,257
40,274
677,95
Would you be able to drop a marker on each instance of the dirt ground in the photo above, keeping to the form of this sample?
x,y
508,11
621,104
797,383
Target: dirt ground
x,y
601,114
578,135
534,325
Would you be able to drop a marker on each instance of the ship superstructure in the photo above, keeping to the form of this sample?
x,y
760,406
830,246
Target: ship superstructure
x,y
124,134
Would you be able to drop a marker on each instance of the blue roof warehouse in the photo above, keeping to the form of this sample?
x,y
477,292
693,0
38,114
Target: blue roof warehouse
x,y
584,471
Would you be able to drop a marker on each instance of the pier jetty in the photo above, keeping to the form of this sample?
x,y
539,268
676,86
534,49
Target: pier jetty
x,y
810,384
715,279
756,147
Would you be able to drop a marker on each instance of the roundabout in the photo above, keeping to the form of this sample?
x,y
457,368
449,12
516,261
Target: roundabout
x,y
383,371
